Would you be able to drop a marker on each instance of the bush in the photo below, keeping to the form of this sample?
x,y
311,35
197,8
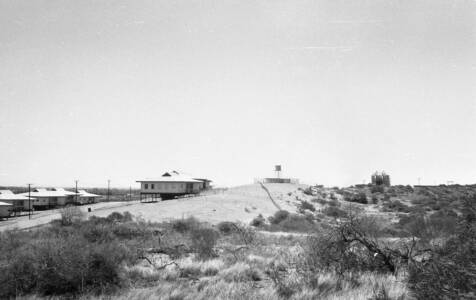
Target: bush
x,y
279,216
118,217
66,264
296,223
185,225
357,198
306,205
396,206
335,212
203,242
258,221
226,227
450,270
374,200
377,189
71,214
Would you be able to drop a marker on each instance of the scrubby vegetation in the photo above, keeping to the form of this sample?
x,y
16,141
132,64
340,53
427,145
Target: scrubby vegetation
x,y
330,249
360,197
283,220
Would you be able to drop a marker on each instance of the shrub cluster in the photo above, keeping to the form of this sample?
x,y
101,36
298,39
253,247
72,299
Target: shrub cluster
x,y
304,205
396,206
450,270
334,212
283,220
69,259
357,198
258,221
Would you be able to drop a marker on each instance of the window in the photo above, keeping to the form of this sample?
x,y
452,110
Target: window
x,y
151,186
146,186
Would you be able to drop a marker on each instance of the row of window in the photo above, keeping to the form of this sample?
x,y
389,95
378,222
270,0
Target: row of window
x,y
163,186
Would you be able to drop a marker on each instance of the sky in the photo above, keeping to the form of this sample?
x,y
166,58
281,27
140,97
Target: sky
x,y
332,90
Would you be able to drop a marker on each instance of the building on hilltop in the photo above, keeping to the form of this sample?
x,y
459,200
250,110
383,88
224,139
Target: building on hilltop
x,y
170,185
277,179
380,178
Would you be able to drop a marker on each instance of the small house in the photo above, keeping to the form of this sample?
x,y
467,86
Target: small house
x,y
44,198
86,198
18,202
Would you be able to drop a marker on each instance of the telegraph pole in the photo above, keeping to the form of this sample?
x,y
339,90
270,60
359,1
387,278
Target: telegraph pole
x,y
29,201
108,188
76,196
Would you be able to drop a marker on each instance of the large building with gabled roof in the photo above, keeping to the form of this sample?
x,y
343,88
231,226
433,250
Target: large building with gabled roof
x,y
170,185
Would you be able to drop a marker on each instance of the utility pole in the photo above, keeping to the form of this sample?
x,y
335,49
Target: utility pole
x,y
130,193
76,200
108,188
29,201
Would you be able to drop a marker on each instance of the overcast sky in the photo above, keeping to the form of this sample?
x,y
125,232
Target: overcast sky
x,y
331,89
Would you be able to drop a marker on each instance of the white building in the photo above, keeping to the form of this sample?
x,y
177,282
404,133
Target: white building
x,y
18,202
171,185
5,209
44,198
86,198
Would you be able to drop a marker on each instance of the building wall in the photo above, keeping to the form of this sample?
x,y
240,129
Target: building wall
x,y
4,211
86,200
18,204
168,187
48,201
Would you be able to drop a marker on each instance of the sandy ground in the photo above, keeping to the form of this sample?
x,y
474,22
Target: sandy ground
x,y
241,204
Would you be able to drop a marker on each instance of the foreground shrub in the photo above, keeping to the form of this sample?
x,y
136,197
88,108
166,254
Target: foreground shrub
x,y
204,241
185,225
63,265
450,270
71,214
118,217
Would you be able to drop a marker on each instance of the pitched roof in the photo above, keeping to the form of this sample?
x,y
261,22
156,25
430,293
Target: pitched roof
x,y
9,195
41,192
203,179
4,204
62,190
172,176
83,193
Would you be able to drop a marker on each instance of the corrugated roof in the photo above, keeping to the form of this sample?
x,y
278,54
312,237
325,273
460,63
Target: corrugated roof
x,y
9,195
41,192
203,179
62,190
83,193
172,176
